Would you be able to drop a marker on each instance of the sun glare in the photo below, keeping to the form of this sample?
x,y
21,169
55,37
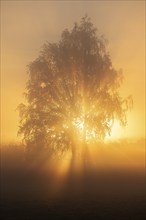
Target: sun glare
x,y
87,132
117,132
79,124
84,131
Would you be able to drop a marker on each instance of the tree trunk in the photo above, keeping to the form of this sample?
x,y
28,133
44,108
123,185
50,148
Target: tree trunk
x,y
84,147
74,158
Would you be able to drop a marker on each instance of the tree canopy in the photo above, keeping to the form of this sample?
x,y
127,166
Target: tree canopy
x,y
72,94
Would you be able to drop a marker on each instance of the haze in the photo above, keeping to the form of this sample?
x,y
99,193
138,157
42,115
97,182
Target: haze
x,y
97,180
27,25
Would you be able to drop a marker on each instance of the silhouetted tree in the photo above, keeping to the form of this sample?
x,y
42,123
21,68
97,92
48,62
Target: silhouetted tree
x,y
72,93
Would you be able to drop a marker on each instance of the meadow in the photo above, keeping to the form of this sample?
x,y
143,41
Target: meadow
x,y
111,186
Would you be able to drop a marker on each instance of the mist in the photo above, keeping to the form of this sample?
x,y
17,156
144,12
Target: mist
x,y
112,181
73,159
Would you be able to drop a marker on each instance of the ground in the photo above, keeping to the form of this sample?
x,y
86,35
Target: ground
x,y
104,194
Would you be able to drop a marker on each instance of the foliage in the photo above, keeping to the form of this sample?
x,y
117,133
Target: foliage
x,y
72,93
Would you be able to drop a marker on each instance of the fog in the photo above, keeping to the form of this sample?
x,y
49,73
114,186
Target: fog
x,y
113,179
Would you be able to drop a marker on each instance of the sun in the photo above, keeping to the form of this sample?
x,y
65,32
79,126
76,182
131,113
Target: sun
x,y
85,131
79,123
117,132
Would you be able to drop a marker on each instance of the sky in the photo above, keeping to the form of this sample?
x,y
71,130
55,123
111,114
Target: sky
x,y
27,25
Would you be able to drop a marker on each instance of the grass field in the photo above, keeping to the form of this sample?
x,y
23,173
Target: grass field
x,y
112,186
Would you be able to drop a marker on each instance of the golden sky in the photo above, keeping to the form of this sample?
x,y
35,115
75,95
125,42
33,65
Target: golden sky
x,y
27,25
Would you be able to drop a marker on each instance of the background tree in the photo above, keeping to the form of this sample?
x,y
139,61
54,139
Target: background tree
x,y
72,94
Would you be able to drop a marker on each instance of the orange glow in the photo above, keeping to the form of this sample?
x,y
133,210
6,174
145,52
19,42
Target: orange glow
x,y
22,36
123,155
